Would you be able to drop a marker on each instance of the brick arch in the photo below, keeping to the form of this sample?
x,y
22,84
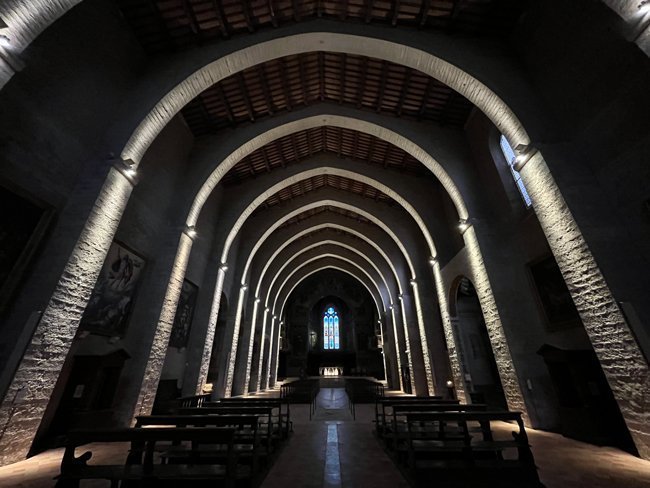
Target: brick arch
x,y
383,296
336,244
304,230
330,226
269,231
310,269
320,171
330,241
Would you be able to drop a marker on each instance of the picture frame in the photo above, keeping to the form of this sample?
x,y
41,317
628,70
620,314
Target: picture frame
x,y
184,314
553,295
110,305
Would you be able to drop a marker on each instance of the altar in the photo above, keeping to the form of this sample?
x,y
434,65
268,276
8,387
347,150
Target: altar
x,y
330,371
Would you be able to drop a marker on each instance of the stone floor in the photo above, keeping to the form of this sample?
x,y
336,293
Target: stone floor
x,y
334,451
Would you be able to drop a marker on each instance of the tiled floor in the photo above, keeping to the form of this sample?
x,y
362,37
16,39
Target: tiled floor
x,y
334,451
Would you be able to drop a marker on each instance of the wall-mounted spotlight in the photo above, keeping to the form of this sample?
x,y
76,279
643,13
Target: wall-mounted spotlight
x,y
463,225
275,317
433,260
391,307
223,267
644,7
190,231
244,287
524,154
267,309
258,300
127,168
400,296
5,41
413,282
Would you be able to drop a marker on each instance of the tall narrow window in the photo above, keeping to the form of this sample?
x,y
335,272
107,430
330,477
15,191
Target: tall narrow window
x,y
510,156
331,329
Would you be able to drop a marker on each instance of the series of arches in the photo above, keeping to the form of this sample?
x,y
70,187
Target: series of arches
x,y
407,268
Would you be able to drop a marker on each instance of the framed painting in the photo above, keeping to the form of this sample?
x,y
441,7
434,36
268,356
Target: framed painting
x,y
553,295
184,314
109,308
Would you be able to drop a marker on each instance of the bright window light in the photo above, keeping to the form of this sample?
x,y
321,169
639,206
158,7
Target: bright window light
x,y
510,156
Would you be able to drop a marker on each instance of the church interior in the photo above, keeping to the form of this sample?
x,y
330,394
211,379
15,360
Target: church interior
x,y
325,243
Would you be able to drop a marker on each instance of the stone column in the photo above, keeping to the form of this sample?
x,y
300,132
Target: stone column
x,y
505,365
424,343
160,343
261,381
275,353
396,345
417,364
619,354
212,325
251,345
232,358
30,390
409,346
452,347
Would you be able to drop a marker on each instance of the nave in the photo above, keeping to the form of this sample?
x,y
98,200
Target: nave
x,y
202,198
333,450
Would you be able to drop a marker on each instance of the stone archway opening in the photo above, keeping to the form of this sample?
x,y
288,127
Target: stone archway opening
x,y
478,364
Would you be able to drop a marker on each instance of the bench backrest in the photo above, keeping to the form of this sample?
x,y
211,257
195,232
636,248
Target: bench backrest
x,y
143,442
237,421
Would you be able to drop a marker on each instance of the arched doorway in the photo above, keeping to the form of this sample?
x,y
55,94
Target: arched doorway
x,y
479,367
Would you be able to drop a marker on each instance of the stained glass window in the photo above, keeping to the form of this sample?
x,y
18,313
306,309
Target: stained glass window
x,y
331,329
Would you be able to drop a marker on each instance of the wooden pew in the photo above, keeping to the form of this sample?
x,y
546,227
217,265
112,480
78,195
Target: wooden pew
x,y
144,463
193,401
395,433
284,415
384,404
441,447
266,420
246,442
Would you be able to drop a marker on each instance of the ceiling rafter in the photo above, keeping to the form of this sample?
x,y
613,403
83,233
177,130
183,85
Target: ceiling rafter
x,y
344,143
221,16
215,19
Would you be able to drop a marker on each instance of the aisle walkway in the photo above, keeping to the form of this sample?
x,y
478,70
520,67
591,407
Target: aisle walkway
x,y
333,451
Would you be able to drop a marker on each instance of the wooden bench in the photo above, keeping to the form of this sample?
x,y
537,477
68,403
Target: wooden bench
x,y
382,404
284,414
441,447
193,401
268,424
246,441
394,433
144,462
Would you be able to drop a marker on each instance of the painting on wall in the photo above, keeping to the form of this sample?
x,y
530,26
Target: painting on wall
x,y
184,314
554,295
109,308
